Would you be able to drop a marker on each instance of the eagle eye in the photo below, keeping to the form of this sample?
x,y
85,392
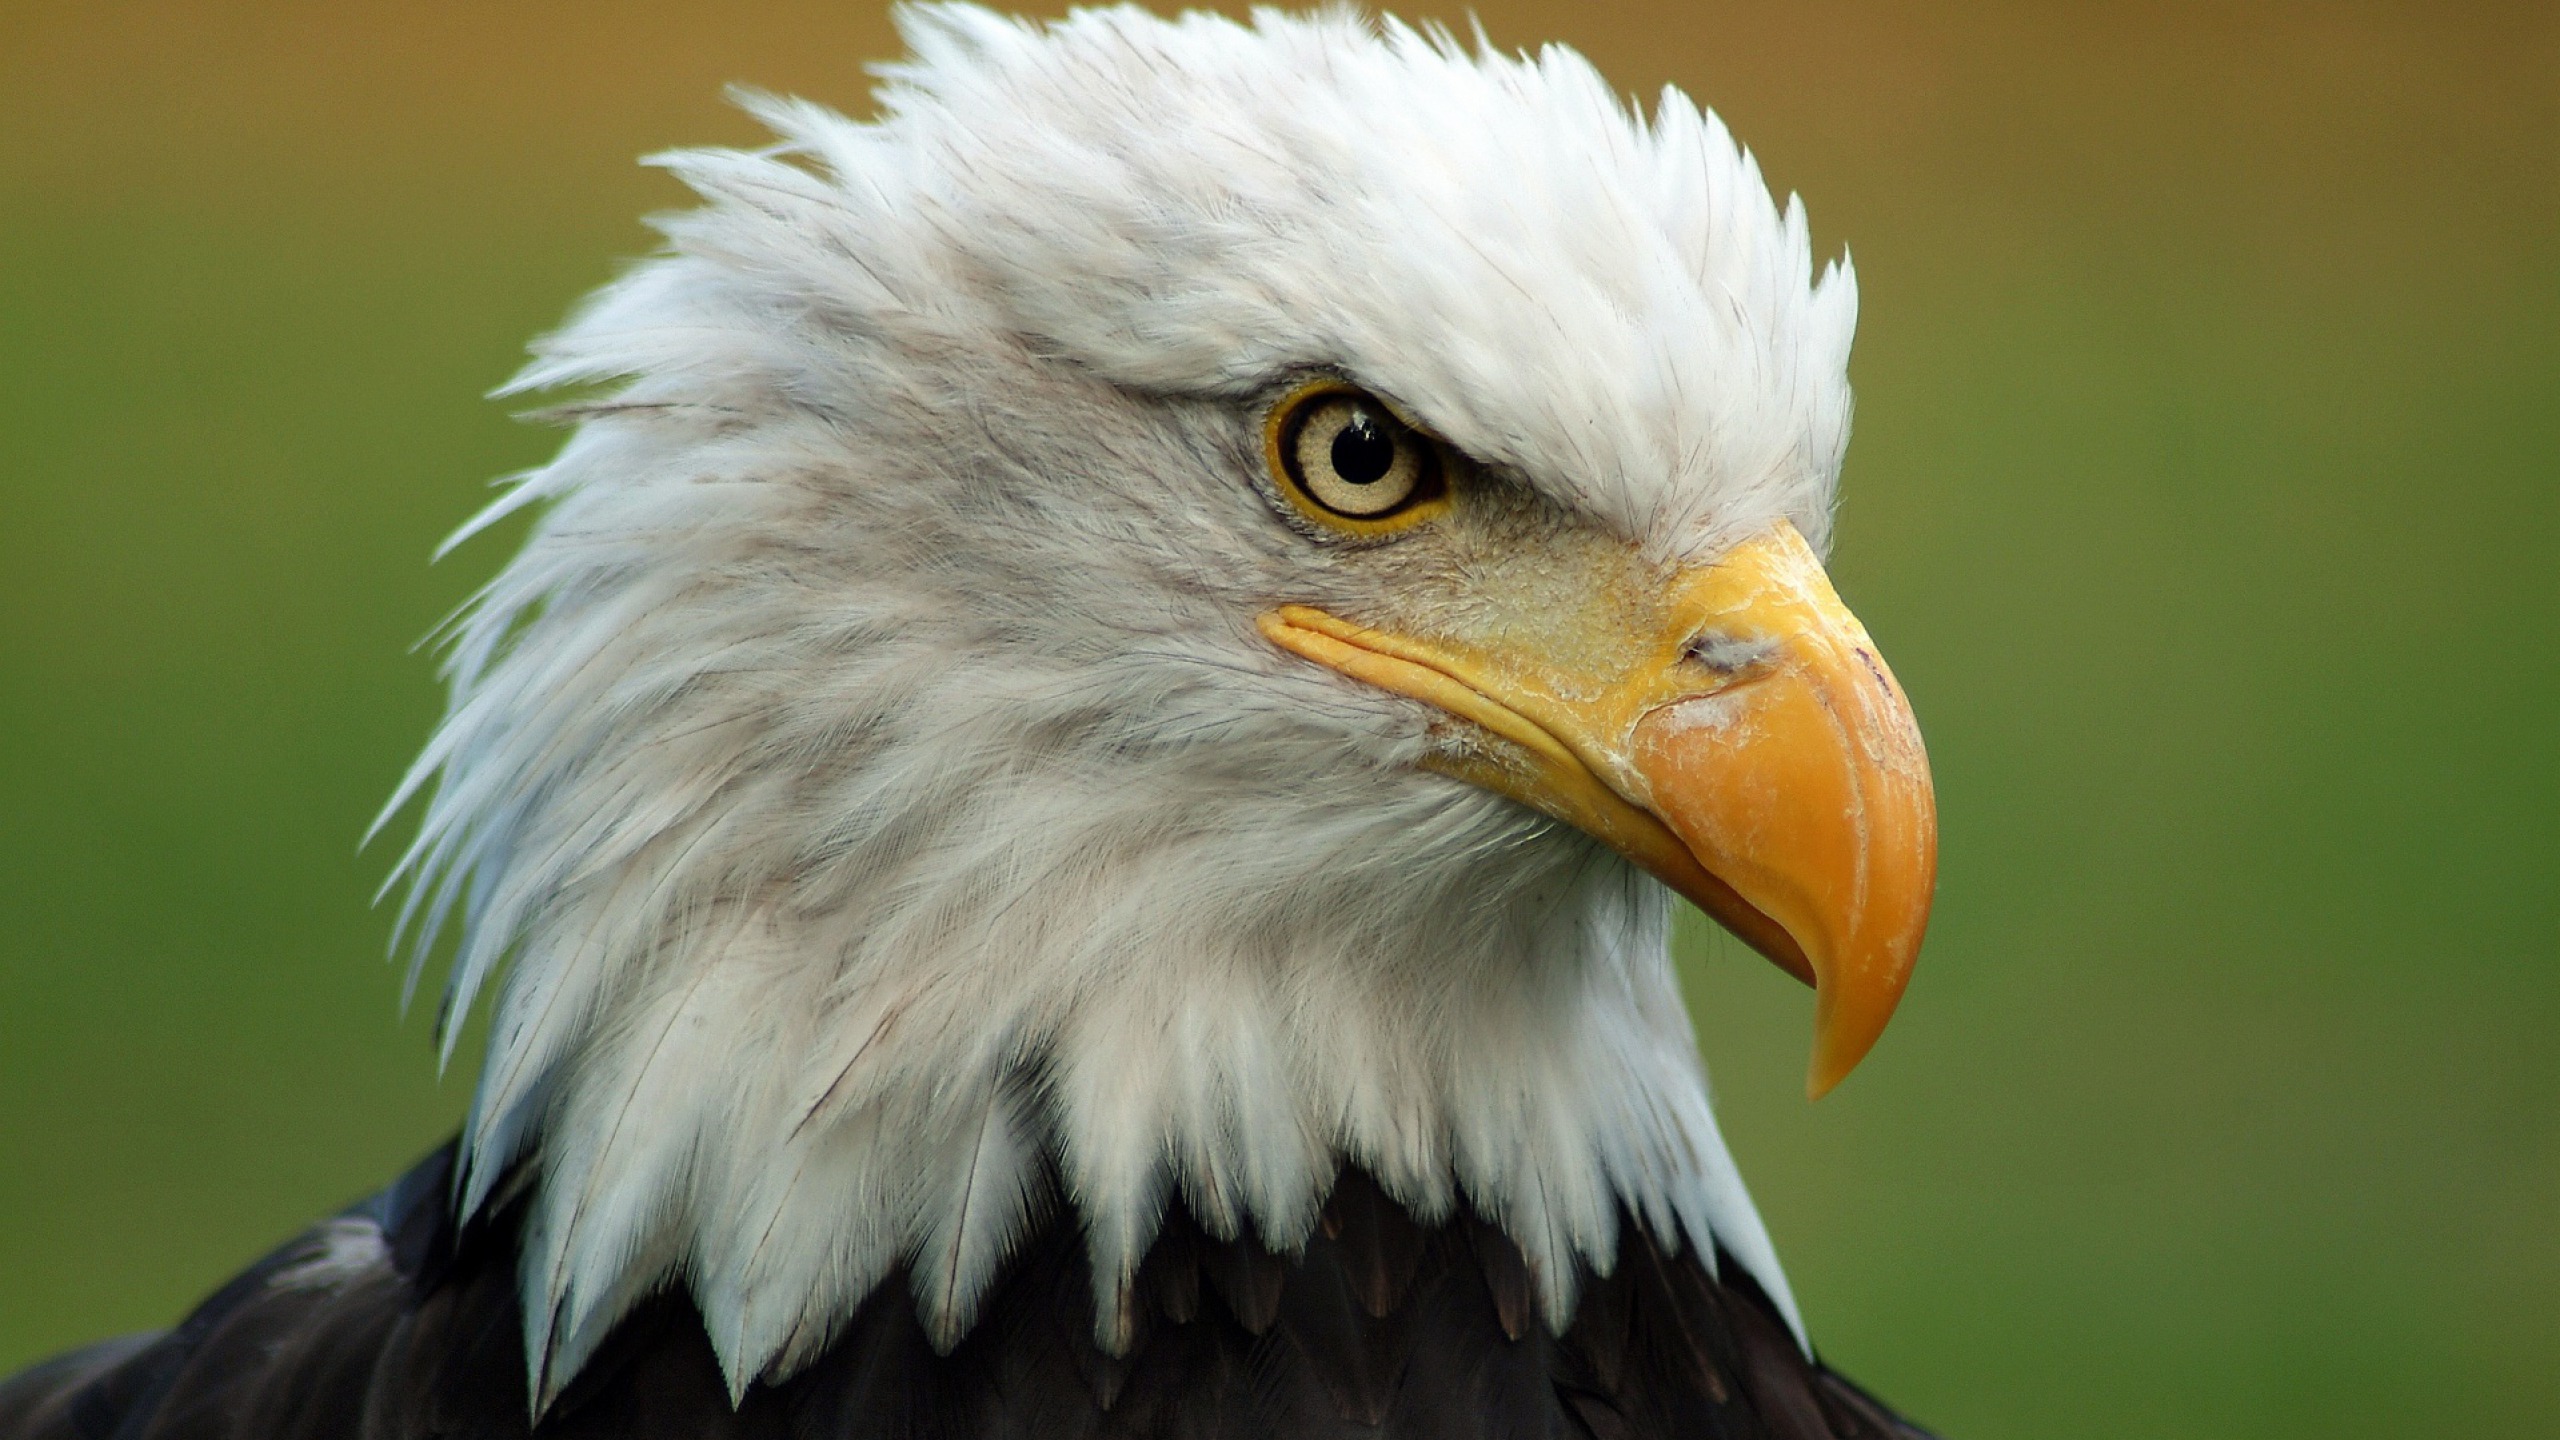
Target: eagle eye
x,y
1346,460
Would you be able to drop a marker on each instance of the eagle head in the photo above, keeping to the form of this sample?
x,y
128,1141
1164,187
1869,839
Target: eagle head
x,y
1166,616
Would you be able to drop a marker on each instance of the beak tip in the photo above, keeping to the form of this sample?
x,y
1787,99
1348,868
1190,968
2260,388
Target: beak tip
x,y
1828,1069
1849,1017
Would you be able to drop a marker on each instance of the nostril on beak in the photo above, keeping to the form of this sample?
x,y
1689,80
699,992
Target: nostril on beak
x,y
1726,653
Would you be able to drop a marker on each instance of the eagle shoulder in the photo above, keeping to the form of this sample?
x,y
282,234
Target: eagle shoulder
x,y
390,1322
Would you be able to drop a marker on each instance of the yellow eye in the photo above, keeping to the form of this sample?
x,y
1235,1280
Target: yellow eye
x,y
1344,459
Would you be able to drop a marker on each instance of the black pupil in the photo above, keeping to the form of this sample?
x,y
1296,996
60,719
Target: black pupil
x,y
1363,451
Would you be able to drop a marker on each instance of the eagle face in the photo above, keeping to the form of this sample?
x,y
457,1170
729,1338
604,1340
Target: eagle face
x,y
1164,617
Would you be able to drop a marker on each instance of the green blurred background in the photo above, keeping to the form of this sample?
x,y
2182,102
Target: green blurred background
x,y
2203,494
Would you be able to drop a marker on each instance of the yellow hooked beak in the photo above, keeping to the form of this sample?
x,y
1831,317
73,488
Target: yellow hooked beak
x,y
1747,746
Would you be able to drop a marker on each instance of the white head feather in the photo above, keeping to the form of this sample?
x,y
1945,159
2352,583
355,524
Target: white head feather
x,y
869,768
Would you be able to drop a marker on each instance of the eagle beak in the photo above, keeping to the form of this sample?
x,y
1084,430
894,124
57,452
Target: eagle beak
x,y
1735,733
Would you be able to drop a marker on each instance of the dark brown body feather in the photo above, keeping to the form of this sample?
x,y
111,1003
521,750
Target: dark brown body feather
x,y
388,1324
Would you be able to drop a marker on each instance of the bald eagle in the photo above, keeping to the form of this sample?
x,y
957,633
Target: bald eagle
x,y
1073,807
